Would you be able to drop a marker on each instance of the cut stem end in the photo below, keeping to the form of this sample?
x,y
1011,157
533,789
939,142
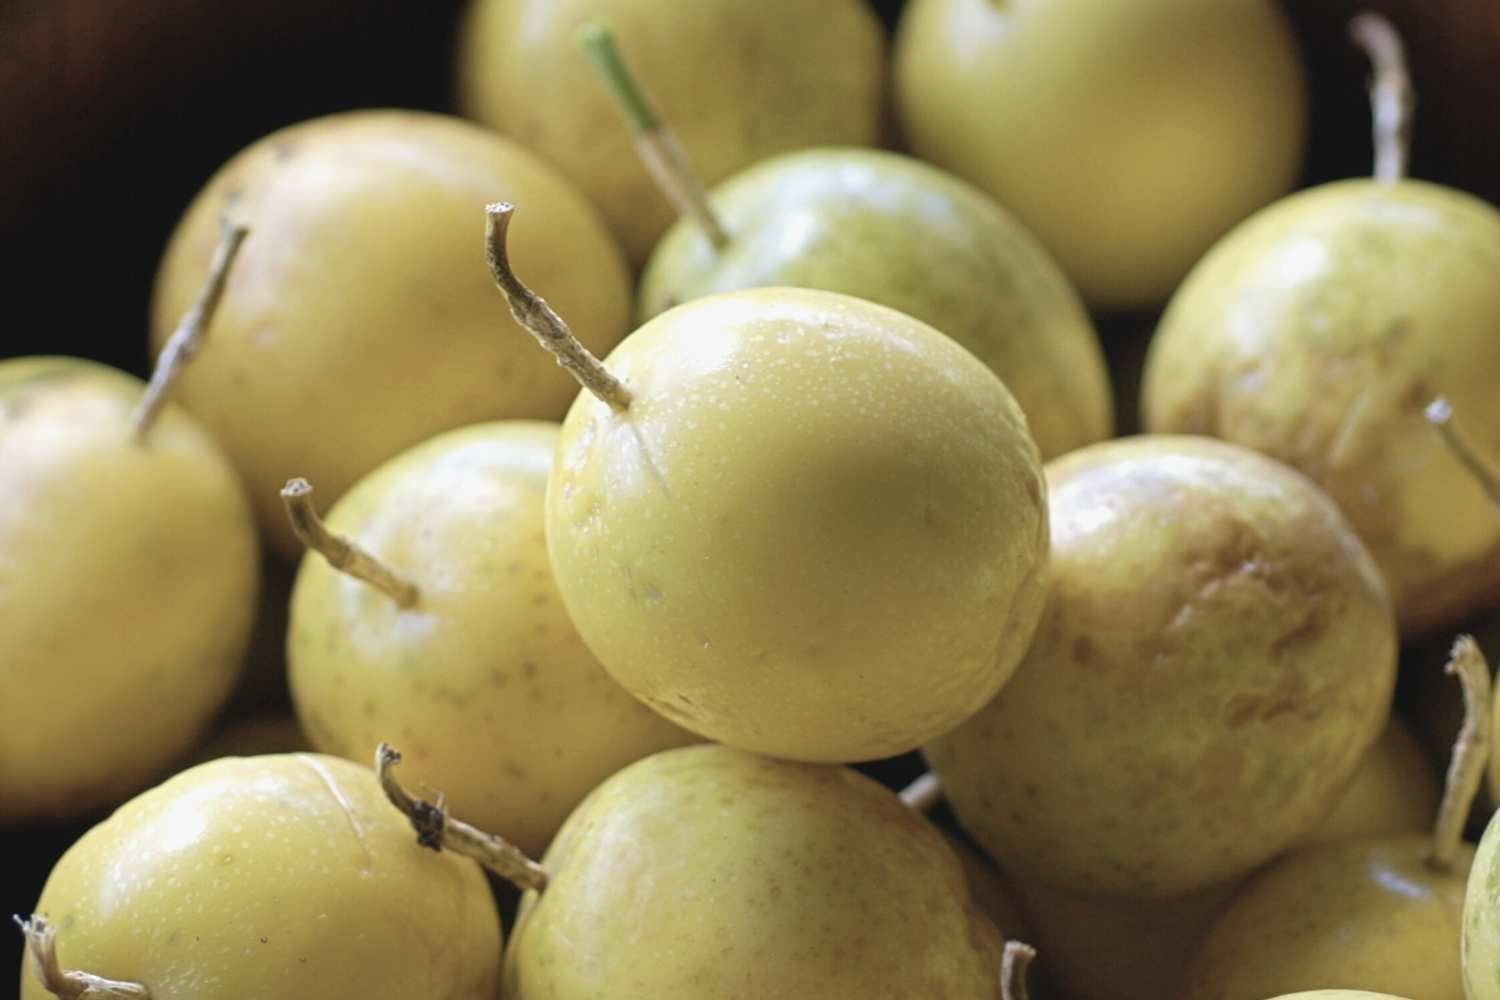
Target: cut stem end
x,y
1470,753
655,143
342,554
924,793
1014,963
439,831
188,337
1392,101
533,313
1439,414
41,954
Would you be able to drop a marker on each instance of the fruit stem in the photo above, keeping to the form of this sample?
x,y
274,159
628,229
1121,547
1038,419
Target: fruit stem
x,y
655,142
342,554
533,313
1014,962
41,949
1470,753
188,336
439,831
923,793
1440,415
1391,98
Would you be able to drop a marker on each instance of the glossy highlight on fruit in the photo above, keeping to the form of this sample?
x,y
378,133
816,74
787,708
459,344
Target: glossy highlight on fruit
x,y
817,530
899,232
276,876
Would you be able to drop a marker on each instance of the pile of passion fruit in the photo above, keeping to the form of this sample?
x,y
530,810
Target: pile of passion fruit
x,y
604,472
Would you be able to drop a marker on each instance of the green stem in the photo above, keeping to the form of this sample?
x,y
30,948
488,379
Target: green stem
x,y
655,142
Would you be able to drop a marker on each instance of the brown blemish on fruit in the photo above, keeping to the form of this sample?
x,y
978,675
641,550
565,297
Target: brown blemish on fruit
x,y
1083,650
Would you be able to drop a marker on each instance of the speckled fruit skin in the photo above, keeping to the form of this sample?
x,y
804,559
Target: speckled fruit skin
x,y
279,876
1317,332
818,532
738,80
896,231
1480,942
745,878
127,570
1127,136
360,317
1361,912
484,683
1217,654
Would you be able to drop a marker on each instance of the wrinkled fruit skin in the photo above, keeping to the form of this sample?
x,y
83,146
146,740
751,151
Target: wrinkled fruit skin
x,y
1367,911
1317,332
1127,136
360,305
1217,654
128,582
749,878
896,231
281,876
738,80
484,682
818,531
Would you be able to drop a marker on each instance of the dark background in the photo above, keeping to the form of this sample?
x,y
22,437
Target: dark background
x,y
114,112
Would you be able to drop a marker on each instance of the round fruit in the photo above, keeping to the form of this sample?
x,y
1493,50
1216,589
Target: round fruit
x,y
483,677
739,80
708,873
128,580
361,303
817,529
1318,332
1127,136
279,876
898,232
1217,655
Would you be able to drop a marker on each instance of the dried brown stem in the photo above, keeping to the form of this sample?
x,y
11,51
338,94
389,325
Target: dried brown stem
x,y
41,952
1470,753
1392,101
439,831
188,336
1013,965
1440,415
923,793
533,313
342,554
655,143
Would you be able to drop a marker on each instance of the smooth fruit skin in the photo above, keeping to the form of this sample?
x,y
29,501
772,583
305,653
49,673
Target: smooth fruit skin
x,y
1394,790
360,317
1339,995
1127,136
1366,913
1101,948
128,570
484,683
278,876
708,873
818,532
1317,332
1480,942
1217,654
737,80
896,231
